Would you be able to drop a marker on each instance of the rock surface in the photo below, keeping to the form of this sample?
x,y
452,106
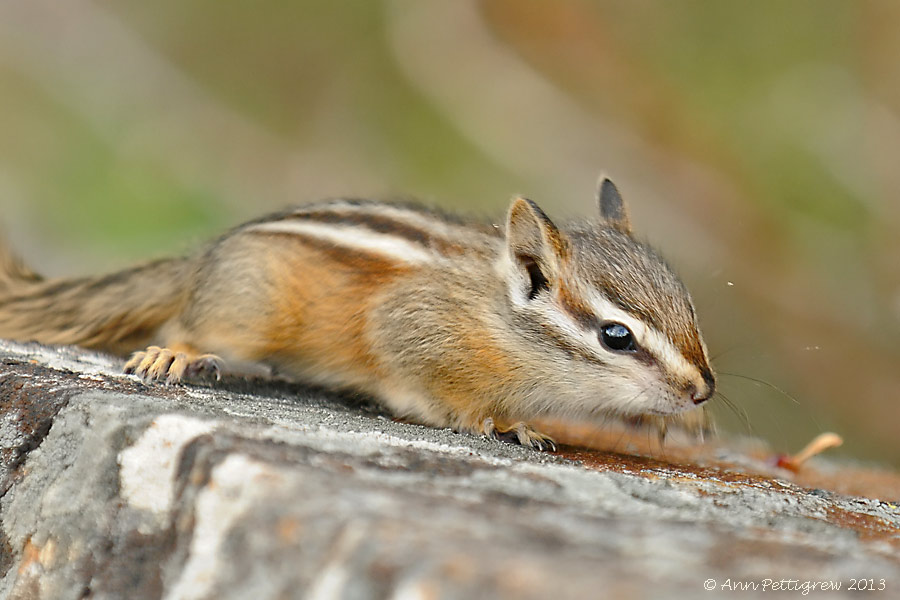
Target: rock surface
x,y
114,489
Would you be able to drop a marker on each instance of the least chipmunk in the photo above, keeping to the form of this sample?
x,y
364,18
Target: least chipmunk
x,y
446,322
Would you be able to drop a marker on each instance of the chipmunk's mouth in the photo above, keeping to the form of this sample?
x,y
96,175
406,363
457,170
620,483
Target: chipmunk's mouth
x,y
673,406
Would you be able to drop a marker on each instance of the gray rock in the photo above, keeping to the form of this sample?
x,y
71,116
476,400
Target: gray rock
x,y
263,489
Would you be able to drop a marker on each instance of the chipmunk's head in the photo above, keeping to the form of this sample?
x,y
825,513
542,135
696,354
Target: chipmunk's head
x,y
619,324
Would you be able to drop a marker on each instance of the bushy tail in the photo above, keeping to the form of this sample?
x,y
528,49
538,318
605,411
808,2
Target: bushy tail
x,y
117,313
13,272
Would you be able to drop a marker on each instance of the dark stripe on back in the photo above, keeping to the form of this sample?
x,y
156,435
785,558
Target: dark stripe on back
x,y
383,224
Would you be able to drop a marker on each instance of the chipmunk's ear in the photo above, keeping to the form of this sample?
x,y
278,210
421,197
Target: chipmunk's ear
x,y
612,207
535,245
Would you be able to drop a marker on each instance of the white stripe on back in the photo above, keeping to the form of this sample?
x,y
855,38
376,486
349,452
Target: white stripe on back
x,y
355,237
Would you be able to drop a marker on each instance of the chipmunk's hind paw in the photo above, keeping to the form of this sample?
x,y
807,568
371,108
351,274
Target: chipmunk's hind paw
x,y
518,433
169,366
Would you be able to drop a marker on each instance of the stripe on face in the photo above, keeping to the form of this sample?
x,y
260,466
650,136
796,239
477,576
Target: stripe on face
x,y
688,342
566,331
666,353
634,278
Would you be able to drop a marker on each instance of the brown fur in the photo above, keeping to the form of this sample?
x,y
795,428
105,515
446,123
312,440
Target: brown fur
x,y
448,341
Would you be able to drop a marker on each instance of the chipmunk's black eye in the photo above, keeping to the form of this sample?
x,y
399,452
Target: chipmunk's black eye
x,y
616,336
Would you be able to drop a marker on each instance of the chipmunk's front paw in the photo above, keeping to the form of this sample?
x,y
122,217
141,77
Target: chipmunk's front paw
x,y
518,433
169,366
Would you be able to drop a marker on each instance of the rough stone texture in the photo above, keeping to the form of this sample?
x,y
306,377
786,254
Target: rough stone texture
x,y
113,489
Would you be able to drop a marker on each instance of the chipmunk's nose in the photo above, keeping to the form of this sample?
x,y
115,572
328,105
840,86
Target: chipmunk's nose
x,y
699,397
701,394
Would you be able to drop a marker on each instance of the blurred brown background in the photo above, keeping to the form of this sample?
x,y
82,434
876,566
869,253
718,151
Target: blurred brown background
x,y
758,145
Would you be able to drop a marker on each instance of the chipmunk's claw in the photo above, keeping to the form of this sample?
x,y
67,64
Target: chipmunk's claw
x,y
205,364
518,433
157,364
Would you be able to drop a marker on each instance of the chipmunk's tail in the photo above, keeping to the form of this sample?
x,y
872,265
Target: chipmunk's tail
x,y
118,313
13,272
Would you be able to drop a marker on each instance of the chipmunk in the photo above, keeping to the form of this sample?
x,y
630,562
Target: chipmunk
x,y
445,322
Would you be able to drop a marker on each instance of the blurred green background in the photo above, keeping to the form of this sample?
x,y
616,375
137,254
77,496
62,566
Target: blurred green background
x,y
757,143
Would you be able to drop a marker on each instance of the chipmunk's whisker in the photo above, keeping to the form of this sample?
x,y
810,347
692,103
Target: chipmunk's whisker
x,y
738,411
722,353
660,440
765,383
